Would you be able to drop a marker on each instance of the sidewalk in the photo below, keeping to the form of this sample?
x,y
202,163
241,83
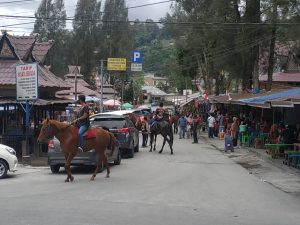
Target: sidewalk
x,y
35,161
260,164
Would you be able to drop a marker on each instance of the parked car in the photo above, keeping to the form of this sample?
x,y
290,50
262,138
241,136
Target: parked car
x,y
56,158
123,129
8,160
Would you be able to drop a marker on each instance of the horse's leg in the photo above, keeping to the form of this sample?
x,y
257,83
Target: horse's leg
x,y
68,166
105,162
155,136
151,141
99,162
170,142
162,148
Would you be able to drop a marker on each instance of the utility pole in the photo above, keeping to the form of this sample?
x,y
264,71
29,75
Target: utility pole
x,y
186,95
101,87
76,72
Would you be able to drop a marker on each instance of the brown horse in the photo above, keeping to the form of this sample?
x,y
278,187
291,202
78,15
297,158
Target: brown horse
x,y
136,120
174,123
96,138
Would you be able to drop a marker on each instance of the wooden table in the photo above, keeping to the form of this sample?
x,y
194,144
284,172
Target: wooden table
x,y
273,148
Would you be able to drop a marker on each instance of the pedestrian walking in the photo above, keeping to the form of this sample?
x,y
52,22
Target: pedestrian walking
x,y
211,123
194,129
145,132
182,122
234,131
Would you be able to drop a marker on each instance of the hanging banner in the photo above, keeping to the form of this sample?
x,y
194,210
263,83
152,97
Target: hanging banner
x,y
27,81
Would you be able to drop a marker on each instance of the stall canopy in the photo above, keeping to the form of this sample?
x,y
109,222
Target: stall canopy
x,y
269,98
112,102
127,106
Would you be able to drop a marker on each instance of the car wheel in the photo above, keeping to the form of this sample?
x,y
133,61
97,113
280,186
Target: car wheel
x,y
117,161
3,169
137,147
131,151
55,168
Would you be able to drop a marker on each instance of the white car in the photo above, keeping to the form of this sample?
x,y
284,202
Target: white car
x,y
8,160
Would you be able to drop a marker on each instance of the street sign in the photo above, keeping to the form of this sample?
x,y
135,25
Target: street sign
x,y
27,81
136,67
116,64
137,57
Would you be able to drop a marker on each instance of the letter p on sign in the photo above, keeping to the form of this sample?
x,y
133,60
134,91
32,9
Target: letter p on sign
x,y
137,57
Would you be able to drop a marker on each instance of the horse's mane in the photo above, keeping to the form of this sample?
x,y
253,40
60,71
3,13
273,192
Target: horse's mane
x,y
59,125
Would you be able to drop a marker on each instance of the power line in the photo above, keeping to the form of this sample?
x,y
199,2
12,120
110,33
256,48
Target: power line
x,y
16,24
160,22
9,2
150,4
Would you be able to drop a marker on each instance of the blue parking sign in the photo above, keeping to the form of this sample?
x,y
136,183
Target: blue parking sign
x,y
137,57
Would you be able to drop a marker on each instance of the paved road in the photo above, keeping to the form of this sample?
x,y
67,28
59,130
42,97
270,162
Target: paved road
x,y
197,185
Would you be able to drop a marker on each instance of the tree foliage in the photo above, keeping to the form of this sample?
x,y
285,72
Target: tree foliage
x,y
50,24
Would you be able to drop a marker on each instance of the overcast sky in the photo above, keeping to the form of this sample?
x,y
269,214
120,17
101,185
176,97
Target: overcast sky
x,y
28,8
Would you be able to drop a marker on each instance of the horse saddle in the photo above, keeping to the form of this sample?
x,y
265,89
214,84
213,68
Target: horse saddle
x,y
89,134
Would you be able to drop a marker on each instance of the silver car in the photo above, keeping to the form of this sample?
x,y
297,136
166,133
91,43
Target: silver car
x,y
56,158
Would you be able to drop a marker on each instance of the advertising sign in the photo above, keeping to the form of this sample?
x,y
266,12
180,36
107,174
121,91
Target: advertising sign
x,y
27,81
116,64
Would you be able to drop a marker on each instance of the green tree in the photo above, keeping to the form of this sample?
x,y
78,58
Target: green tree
x,y
50,24
117,34
86,26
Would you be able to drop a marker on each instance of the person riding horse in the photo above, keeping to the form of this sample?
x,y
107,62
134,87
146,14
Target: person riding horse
x,y
82,121
161,117
161,126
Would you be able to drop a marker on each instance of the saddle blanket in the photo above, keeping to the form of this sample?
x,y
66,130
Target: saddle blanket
x,y
89,134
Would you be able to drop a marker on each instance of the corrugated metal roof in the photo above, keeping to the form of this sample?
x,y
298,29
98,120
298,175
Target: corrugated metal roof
x,y
22,44
46,78
153,91
81,90
40,50
282,77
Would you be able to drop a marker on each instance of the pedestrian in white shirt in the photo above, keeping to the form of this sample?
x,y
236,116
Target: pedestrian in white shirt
x,y
211,122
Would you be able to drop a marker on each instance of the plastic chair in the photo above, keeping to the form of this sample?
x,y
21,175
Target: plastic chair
x,y
245,139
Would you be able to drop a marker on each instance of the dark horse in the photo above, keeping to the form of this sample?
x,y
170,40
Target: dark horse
x,y
96,138
164,128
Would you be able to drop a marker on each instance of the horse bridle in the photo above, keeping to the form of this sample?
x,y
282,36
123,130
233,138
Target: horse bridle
x,y
50,132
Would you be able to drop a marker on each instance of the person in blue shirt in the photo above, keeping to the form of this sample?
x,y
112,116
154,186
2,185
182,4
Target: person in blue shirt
x,y
182,126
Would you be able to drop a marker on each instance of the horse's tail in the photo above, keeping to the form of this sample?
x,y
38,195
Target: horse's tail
x,y
112,143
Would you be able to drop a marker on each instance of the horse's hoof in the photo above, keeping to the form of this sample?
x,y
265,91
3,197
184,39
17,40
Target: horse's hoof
x,y
92,179
171,153
107,176
67,180
160,152
72,179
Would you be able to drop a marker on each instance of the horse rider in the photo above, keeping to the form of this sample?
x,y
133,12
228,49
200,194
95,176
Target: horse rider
x,y
160,112
82,121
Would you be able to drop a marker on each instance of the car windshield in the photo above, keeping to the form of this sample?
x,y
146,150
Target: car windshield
x,y
110,123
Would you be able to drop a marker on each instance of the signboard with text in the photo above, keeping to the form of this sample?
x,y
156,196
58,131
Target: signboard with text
x,y
136,61
136,67
27,81
116,64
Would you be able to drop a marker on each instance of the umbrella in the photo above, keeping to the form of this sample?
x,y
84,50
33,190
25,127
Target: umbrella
x,y
91,99
127,106
112,102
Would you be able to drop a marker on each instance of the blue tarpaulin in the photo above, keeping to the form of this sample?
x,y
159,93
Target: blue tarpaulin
x,y
267,98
